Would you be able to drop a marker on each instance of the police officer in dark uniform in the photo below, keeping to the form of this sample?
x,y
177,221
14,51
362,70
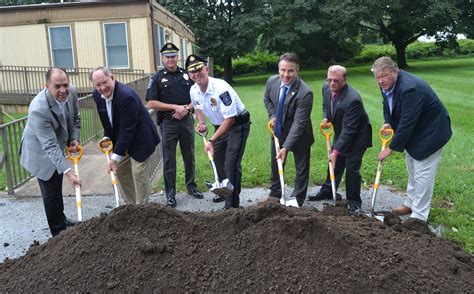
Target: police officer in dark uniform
x,y
168,92
216,99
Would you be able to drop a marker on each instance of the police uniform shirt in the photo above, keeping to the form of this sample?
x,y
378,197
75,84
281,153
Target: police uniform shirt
x,y
219,102
170,87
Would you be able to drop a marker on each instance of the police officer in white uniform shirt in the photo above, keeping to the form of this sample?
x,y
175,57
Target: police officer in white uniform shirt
x,y
215,99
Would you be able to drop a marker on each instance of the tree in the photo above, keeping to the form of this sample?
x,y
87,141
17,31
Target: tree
x,y
401,22
224,28
305,27
465,24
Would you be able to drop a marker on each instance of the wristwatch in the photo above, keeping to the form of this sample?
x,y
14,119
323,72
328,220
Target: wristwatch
x,y
211,141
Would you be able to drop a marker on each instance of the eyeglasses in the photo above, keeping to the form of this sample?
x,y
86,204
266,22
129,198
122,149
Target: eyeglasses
x,y
334,80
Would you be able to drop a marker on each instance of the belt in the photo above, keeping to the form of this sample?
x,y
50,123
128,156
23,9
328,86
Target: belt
x,y
242,118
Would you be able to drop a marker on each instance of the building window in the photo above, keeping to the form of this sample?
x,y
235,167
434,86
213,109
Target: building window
x,y
116,45
60,42
159,42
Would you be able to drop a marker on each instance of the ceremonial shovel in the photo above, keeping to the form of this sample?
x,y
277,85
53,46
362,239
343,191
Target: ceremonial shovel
x,y
327,131
75,157
283,200
385,137
224,188
106,146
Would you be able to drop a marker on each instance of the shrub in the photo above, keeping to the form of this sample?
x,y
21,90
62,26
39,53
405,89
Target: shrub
x,y
255,62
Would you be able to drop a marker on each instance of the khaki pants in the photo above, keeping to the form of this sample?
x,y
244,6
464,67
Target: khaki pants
x,y
134,180
421,180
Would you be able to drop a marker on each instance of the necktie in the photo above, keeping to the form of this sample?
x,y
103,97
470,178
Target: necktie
x,y
333,104
279,116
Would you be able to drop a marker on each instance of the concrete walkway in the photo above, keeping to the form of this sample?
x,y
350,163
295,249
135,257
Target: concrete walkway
x,y
92,171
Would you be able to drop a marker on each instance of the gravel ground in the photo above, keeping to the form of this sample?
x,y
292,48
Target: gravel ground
x,y
23,221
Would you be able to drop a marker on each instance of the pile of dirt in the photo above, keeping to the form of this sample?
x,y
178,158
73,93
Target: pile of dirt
x,y
152,248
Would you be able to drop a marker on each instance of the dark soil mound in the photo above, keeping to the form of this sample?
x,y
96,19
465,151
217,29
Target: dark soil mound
x,y
266,248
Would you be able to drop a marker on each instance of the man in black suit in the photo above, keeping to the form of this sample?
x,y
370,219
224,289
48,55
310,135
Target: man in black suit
x,y
289,102
343,107
127,123
422,127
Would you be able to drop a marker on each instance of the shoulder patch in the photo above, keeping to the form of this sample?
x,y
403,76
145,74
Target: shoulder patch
x,y
225,97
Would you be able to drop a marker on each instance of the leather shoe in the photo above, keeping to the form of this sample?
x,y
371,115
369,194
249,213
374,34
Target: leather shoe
x,y
218,199
402,210
70,223
171,201
320,196
196,194
354,210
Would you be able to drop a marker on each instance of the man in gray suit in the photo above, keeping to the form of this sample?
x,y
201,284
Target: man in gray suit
x,y
289,102
53,123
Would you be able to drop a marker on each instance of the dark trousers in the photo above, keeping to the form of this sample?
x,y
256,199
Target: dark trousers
x,y
302,157
172,132
351,164
228,152
51,190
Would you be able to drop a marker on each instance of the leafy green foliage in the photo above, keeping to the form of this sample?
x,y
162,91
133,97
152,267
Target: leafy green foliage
x,y
416,50
401,22
223,28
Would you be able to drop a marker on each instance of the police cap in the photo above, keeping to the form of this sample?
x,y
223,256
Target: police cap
x,y
195,62
169,49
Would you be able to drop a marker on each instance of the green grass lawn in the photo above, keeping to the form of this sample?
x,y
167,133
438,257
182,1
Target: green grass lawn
x,y
452,80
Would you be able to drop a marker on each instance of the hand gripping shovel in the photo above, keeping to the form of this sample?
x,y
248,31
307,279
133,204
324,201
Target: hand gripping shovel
x,y
283,200
224,188
75,157
106,146
385,137
327,131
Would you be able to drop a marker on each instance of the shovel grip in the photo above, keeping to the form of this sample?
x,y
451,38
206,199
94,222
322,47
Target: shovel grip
x,y
75,156
327,130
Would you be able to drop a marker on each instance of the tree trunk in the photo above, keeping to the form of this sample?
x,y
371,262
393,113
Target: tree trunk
x,y
228,69
401,58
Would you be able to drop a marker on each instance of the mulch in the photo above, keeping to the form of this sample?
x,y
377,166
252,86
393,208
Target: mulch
x,y
263,248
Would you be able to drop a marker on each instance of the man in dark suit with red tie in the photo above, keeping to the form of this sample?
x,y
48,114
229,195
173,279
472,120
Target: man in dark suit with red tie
x,y
343,107
127,123
289,102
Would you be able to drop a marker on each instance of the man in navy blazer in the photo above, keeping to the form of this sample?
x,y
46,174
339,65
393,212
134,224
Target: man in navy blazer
x,y
127,123
422,127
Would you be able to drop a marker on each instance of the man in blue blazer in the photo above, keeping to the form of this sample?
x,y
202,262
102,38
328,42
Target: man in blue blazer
x,y
127,123
53,123
422,127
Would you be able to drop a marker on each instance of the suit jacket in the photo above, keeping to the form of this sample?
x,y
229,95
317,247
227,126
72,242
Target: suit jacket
x,y
352,129
132,131
47,133
421,122
297,127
